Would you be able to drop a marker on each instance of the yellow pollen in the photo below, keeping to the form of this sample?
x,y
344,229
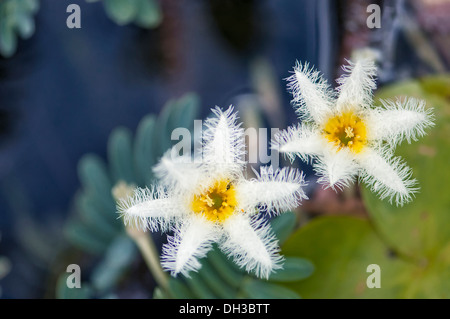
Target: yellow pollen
x,y
346,130
217,203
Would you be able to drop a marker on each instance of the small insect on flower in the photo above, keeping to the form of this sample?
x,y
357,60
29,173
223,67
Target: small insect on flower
x,y
212,201
348,137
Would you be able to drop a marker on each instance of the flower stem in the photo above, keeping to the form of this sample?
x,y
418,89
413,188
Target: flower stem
x,y
150,254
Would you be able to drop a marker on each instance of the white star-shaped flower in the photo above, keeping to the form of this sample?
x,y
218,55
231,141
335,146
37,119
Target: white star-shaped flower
x,y
347,137
213,202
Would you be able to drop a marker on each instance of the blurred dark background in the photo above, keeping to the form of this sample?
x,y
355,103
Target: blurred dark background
x,y
64,90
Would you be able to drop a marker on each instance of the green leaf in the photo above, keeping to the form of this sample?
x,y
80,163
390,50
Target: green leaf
x,y
8,40
184,112
121,11
229,271
158,293
149,15
144,150
32,6
119,255
16,19
24,25
120,155
258,289
341,248
283,226
164,141
198,287
213,280
94,177
83,237
102,224
179,290
107,215
294,268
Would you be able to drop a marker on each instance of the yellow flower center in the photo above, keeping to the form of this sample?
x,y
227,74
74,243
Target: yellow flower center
x,y
217,203
346,130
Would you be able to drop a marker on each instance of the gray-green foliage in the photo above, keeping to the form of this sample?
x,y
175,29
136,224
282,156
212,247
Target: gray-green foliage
x,y
16,20
95,228
143,13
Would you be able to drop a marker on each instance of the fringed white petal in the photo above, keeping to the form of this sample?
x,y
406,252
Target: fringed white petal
x,y
303,141
274,190
336,168
400,120
311,94
388,176
191,241
224,143
252,245
355,87
150,209
178,172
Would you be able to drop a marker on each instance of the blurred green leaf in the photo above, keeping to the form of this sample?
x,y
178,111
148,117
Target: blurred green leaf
x,y
144,13
93,217
294,268
341,248
198,286
179,289
120,155
258,289
215,282
85,238
25,25
283,226
144,153
94,177
228,271
149,14
16,20
121,11
118,257
8,40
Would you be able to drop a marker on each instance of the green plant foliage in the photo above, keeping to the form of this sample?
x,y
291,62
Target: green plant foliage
x,y
411,244
16,20
143,13
220,277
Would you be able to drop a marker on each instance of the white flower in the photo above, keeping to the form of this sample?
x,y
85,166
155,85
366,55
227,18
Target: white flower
x,y
349,138
213,202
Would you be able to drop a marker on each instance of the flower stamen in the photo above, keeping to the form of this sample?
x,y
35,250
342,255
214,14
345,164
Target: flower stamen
x,y
217,203
349,132
346,130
